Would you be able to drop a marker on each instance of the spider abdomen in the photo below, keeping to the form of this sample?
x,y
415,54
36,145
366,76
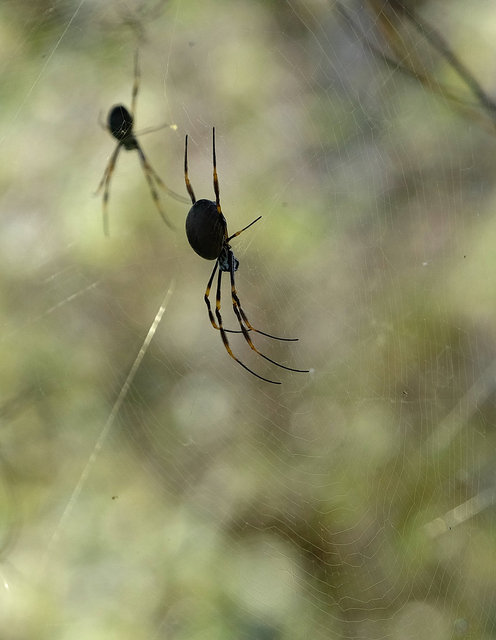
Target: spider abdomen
x,y
120,122
206,229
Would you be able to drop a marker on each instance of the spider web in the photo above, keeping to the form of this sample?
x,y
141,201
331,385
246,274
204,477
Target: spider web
x,y
152,488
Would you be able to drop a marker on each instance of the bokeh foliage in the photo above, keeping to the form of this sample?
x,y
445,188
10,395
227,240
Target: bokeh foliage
x,y
354,502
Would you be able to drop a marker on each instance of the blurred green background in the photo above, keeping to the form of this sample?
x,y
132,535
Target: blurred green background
x,y
356,501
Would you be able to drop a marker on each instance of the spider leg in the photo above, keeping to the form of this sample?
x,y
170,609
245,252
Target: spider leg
x,y
209,308
137,77
109,168
223,335
235,235
159,127
243,315
240,315
150,176
105,182
162,185
216,177
102,123
207,294
250,327
186,177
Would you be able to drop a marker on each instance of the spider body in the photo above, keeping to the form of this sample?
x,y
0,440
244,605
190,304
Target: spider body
x,y
120,124
206,230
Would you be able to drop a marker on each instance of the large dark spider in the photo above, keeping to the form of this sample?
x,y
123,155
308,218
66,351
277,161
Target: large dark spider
x,y
206,229
120,123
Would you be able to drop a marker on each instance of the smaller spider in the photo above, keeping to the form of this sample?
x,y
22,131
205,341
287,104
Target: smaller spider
x,y
120,123
206,229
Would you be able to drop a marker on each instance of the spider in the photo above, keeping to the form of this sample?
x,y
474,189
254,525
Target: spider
x,y
120,123
206,229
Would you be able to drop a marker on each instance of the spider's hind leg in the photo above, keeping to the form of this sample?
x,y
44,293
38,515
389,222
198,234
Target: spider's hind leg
x,y
206,297
223,335
245,326
136,83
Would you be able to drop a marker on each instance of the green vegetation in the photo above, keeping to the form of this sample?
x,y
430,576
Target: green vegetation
x,y
353,502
